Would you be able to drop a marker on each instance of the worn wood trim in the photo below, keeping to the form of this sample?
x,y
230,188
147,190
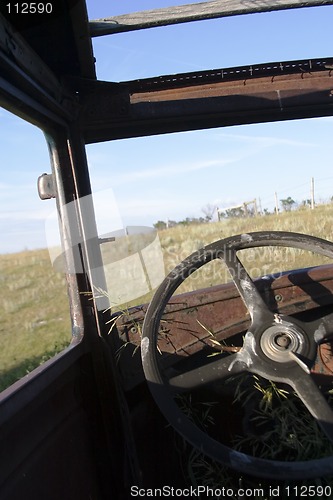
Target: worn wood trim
x,y
158,106
193,12
79,16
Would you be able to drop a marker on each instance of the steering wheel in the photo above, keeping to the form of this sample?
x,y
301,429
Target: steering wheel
x,y
276,347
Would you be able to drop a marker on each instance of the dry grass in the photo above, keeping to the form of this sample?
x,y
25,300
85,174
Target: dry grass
x,y
35,321
276,426
179,242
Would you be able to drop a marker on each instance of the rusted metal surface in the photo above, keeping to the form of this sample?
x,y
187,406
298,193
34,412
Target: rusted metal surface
x,y
222,97
51,427
190,317
325,362
274,72
221,311
287,85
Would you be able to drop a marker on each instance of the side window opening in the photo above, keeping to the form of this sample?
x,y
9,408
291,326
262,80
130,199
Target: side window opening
x,y
35,321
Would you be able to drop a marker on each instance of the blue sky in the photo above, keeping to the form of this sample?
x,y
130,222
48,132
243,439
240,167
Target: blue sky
x,y
176,175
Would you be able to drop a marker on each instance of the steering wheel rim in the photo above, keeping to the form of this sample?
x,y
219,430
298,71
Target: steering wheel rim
x,y
261,354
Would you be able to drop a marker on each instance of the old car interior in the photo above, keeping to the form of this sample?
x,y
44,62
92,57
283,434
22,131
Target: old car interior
x,y
151,399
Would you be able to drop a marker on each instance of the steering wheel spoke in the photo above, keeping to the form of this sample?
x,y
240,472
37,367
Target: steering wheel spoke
x,y
215,371
315,402
250,295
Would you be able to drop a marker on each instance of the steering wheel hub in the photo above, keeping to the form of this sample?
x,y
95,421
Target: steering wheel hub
x,y
279,340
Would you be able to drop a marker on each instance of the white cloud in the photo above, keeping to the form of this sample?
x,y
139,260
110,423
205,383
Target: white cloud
x,y
168,170
264,141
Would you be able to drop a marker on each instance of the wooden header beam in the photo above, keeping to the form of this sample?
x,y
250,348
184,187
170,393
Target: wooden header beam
x,y
193,12
235,96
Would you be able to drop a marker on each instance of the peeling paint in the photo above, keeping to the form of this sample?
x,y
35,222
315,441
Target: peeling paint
x,y
245,354
246,237
320,333
144,347
246,285
277,319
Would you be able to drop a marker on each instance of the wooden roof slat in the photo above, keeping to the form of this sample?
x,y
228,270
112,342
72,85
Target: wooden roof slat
x,y
193,12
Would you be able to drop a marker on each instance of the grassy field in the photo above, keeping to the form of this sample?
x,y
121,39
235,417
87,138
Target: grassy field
x,y
179,241
35,320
